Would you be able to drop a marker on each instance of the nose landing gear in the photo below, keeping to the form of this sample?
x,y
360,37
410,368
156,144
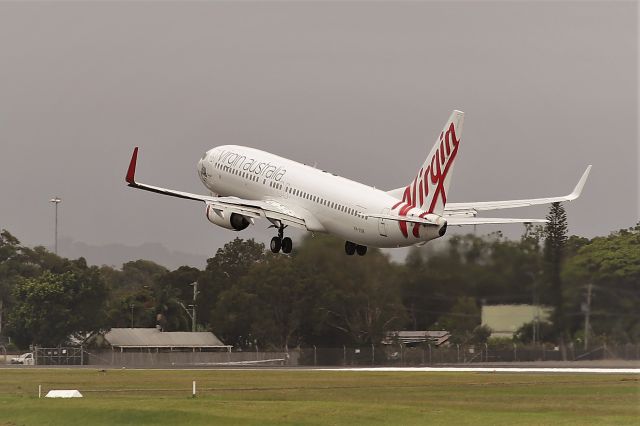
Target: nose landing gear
x,y
352,248
281,242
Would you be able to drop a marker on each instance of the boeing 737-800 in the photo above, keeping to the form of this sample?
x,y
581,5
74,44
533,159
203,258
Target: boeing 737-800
x,y
246,184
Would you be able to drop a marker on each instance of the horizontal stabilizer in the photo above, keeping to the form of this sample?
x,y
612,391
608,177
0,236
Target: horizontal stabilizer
x,y
457,208
458,221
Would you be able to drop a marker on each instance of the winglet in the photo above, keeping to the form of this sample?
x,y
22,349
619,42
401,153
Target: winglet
x,y
131,172
578,189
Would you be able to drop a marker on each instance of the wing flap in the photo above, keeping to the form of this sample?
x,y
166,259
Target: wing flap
x,y
410,219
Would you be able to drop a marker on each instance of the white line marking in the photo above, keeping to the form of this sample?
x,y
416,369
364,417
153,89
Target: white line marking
x,y
542,370
491,369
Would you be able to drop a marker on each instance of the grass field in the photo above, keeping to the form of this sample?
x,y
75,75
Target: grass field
x,y
317,397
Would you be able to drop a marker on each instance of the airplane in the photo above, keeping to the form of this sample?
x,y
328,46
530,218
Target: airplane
x,y
246,184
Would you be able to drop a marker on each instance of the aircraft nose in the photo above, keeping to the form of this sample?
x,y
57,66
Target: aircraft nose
x,y
201,168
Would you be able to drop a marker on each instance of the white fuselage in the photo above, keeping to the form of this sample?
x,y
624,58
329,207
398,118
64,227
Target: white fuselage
x,y
336,205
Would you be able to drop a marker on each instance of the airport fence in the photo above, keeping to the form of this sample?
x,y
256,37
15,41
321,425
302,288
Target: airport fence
x,y
424,355
363,356
176,358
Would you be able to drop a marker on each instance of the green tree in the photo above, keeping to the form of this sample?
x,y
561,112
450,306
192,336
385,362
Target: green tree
x,y
436,277
525,333
350,300
281,298
462,320
316,296
133,285
266,307
12,268
52,307
173,292
554,255
612,266
227,267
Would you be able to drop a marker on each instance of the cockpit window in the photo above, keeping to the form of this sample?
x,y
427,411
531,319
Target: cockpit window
x,y
204,155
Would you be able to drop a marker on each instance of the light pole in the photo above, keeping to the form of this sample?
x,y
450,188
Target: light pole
x,y
131,306
587,312
56,201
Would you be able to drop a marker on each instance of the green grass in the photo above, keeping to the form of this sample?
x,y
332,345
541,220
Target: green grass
x,y
317,397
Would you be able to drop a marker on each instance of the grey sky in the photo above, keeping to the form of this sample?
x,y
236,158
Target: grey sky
x,y
361,89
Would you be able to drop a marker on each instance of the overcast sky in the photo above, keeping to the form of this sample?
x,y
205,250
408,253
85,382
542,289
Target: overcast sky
x,y
361,89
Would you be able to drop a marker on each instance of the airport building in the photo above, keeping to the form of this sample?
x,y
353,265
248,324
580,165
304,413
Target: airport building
x,y
413,338
145,339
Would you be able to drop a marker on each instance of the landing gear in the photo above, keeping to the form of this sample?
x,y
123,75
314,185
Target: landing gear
x,y
276,244
352,248
349,248
281,242
287,245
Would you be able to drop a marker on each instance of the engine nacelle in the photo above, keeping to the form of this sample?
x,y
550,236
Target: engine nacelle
x,y
440,221
228,220
431,232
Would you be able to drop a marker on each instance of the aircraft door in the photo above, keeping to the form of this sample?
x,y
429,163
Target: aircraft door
x,y
382,225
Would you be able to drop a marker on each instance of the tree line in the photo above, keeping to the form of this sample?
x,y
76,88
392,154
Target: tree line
x,y
318,296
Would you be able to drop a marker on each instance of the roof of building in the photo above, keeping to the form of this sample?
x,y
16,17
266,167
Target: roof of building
x,y
154,338
418,336
504,320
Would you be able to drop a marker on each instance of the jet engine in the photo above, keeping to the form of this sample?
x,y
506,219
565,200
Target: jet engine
x,y
437,230
226,219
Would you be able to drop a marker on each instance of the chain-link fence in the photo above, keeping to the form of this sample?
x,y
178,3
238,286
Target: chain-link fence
x,y
362,356
73,355
152,357
403,356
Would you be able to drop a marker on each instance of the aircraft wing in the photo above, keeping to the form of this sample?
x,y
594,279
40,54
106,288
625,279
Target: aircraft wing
x,y
471,209
271,210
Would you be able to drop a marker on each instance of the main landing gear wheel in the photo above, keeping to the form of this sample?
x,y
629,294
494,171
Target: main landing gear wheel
x,y
349,248
352,248
287,245
276,244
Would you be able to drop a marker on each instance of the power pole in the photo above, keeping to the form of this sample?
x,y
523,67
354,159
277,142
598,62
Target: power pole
x,y
192,311
131,306
56,201
587,313
536,315
193,317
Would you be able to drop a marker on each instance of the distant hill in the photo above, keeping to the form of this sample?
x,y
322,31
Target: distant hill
x,y
117,254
